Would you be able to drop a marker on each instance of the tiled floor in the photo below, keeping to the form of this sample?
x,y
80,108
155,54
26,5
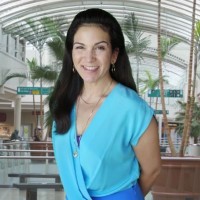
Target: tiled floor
x,y
43,194
15,194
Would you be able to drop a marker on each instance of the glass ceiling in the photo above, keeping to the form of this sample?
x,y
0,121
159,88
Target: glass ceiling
x,y
176,18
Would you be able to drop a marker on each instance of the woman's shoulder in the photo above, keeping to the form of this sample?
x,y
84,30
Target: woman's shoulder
x,y
127,94
130,99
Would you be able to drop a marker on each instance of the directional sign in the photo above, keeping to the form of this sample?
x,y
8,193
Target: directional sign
x,y
160,111
176,93
33,90
167,93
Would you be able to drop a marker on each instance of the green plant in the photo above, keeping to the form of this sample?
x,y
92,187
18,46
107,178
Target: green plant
x,y
150,84
137,43
195,123
43,74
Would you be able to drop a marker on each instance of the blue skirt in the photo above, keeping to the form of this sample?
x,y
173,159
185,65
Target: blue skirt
x,y
133,193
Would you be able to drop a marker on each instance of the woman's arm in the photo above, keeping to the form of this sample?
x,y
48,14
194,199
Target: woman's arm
x,y
148,153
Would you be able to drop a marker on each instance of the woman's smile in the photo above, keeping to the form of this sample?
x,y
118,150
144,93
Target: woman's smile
x,y
90,68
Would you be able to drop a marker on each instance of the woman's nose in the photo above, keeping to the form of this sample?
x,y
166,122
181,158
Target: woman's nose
x,y
90,54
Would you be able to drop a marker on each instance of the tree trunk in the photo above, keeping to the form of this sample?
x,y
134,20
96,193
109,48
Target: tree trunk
x,y
188,111
35,115
34,112
166,126
41,101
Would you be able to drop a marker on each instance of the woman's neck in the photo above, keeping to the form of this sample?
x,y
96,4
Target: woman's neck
x,y
93,91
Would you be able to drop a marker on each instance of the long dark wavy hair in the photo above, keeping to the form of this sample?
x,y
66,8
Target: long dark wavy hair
x,y
69,84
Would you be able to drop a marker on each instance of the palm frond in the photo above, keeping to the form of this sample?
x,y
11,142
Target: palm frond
x,y
180,117
167,44
137,43
57,47
13,75
197,32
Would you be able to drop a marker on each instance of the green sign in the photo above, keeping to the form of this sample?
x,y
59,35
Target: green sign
x,y
160,111
33,90
167,93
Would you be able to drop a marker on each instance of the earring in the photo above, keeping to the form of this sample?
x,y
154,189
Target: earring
x,y
73,69
113,68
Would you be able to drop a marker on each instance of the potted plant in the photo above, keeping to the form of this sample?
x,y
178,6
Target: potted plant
x,y
195,125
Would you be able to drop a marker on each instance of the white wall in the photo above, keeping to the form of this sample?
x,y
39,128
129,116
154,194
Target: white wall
x,y
12,54
11,64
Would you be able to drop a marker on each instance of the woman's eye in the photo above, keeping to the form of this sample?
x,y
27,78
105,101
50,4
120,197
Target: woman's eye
x,y
78,47
100,48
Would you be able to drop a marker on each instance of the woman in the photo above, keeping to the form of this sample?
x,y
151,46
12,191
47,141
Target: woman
x,y
105,137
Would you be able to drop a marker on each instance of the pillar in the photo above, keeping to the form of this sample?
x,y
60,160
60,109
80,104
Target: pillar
x,y
17,114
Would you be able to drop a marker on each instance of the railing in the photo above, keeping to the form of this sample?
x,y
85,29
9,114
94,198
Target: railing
x,y
190,151
22,156
169,55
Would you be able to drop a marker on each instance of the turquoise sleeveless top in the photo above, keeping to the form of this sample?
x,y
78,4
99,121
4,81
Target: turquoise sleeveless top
x,y
104,162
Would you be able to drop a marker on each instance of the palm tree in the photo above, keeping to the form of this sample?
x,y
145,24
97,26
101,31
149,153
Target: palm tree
x,y
167,44
56,45
190,93
32,64
42,30
44,75
7,75
55,40
38,42
196,53
164,46
151,84
137,44
195,124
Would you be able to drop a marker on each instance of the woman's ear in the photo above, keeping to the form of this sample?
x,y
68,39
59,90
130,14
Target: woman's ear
x,y
115,55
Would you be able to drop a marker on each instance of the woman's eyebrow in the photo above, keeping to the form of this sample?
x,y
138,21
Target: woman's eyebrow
x,y
79,43
102,42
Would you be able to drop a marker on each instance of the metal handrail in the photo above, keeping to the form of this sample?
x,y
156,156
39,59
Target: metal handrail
x,y
24,150
26,142
27,157
8,150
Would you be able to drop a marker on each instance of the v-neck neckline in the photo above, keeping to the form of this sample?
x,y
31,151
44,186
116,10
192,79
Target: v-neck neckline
x,y
95,115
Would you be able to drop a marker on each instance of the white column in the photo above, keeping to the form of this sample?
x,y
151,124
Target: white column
x,y
17,48
24,51
17,114
45,129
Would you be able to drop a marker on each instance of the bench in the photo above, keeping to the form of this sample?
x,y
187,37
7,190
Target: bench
x,y
23,176
31,188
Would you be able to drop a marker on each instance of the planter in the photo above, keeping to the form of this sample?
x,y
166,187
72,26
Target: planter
x,y
41,147
194,150
179,179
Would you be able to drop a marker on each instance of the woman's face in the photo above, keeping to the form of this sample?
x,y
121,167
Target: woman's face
x,y
92,53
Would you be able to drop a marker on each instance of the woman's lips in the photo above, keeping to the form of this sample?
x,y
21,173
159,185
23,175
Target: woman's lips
x,y
90,68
